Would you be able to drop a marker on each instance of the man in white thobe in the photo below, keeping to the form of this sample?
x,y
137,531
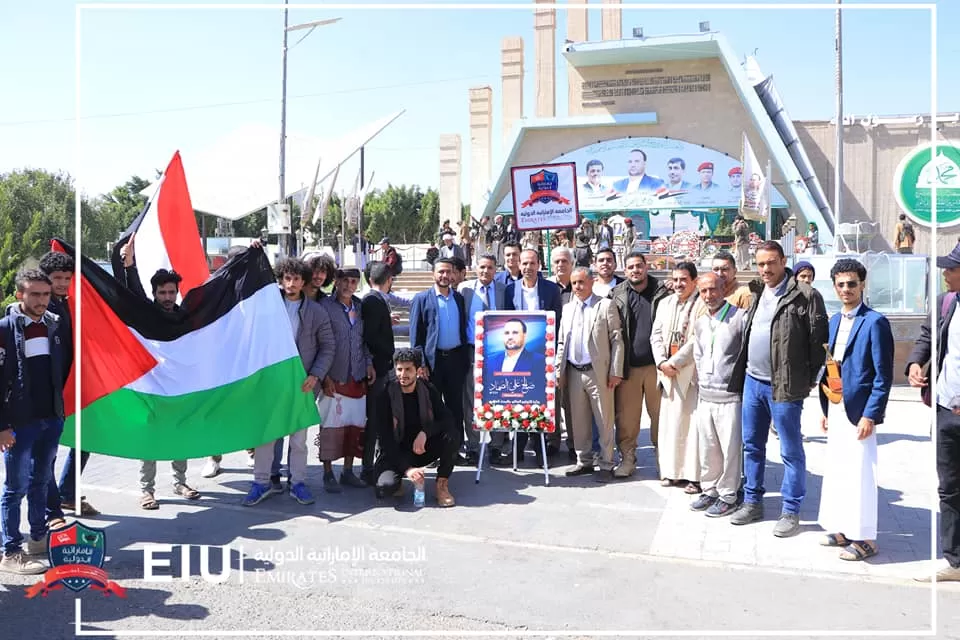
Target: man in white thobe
x,y
854,403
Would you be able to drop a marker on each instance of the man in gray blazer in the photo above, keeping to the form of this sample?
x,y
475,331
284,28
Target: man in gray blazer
x,y
315,342
479,295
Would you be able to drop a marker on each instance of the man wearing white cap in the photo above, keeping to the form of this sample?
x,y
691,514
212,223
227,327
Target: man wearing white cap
x,y
450,250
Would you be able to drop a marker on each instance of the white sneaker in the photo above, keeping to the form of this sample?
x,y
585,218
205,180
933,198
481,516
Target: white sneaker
x,y
36,547
19,563
250,460
211,469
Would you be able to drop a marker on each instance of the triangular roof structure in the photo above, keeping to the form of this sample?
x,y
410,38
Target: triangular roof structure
x,y
238,174
669,48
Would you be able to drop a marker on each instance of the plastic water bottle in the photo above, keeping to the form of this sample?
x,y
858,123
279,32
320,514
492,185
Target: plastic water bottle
x,y
419,498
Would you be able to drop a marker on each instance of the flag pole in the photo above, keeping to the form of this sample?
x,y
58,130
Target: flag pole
x,y
838,161
768,204
284,238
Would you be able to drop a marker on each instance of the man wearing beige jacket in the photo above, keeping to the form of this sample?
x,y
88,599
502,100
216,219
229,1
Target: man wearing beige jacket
x,y
589,368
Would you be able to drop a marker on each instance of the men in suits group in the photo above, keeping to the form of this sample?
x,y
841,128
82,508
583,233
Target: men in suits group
x,y
944,392
589,366
861,341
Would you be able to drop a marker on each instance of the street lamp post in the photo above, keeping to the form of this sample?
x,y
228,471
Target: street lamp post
x,y
285,237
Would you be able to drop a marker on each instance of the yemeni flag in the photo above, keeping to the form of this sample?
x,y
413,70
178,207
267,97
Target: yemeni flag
x,y
220,376
167,235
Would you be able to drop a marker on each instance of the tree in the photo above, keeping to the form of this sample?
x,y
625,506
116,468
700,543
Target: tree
x,y
429,216
111,214
35,206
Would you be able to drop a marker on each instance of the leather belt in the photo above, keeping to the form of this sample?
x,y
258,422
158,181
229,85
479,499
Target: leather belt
x,y
581,367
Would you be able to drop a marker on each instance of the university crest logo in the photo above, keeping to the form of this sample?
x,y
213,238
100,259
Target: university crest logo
x,y
76,555
543,188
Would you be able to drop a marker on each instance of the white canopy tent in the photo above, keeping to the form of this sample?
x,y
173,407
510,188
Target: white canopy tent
x,y
238,174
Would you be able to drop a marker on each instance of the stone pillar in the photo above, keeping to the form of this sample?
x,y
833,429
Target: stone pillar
x,y
612,22
545,50
577,31
450,200
511,92
481,139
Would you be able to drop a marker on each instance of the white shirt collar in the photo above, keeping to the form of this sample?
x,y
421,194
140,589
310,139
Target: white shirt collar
x,y
852,314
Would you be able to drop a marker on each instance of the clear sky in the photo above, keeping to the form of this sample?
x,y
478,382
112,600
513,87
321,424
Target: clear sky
x,y
154,80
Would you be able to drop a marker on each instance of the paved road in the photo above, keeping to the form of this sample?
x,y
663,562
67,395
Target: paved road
x,y
513,556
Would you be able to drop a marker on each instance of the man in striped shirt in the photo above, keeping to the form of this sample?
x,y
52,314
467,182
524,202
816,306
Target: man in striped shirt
x,y
31,414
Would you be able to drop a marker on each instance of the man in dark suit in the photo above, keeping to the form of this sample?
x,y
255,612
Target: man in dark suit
x,y
511,264
378,336
637,178
534,293
946,394
438,328
520,296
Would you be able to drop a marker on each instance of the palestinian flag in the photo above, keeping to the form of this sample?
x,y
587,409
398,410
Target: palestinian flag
x,y
167,235
221,375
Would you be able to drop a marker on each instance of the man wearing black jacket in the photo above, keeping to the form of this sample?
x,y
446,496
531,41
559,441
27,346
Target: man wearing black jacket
x,y
378,334
32,362
416,429
945,394
637,300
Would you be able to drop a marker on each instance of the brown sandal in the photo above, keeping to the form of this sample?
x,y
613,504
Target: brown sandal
x,y
834,540
184,491
56,523
148,502
692,488
86,509
858,550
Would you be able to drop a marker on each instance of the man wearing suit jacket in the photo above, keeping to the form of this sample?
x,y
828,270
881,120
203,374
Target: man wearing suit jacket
x,y
534,293
946,394
438,328
511,264
589,367
637,178
862,342
378,336
479,295
450,250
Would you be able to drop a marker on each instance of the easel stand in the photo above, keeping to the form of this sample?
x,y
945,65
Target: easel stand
x,y
485,438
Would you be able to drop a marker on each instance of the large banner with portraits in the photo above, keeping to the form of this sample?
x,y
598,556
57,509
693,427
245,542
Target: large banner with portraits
x,y
515,378
653,174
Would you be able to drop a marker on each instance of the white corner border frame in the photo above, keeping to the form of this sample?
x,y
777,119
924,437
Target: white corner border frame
x,y
934,283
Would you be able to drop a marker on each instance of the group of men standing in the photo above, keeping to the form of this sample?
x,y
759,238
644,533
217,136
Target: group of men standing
x,y
714,364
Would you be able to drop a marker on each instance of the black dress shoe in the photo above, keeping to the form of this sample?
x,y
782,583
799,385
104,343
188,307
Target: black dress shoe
x,y
579,470
473,457
572,455
463,462
501,459
367,476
